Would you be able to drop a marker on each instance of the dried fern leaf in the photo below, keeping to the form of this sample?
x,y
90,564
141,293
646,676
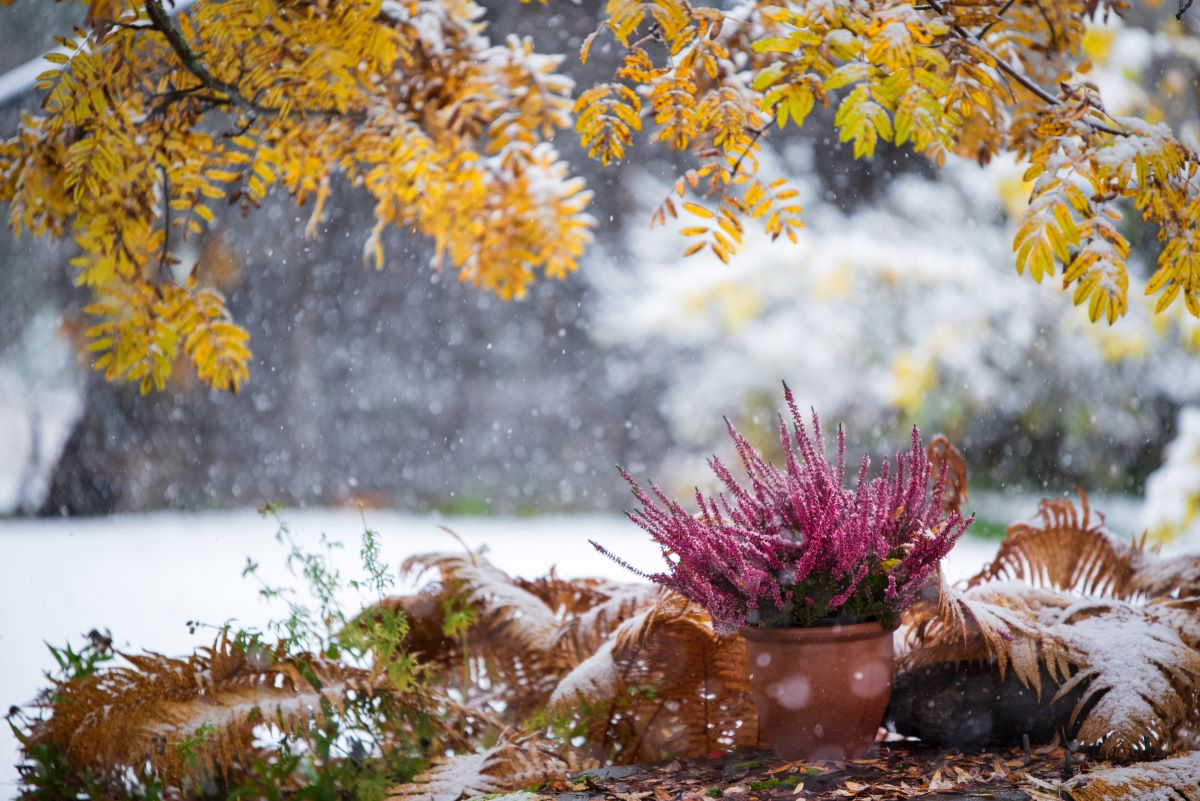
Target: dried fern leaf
x,y
1176,577
144,714
1175,779
1069,553
1180,614
582,634
1141,679
567,597
943,455
507,611
513,661
598,677
1135,667
995,623
510,764
662,686
528,633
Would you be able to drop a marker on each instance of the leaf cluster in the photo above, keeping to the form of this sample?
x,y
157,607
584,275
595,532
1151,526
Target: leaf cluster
x,y
150,121
950,78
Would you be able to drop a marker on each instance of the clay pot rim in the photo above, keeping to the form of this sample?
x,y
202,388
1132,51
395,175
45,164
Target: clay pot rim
x,y
840,632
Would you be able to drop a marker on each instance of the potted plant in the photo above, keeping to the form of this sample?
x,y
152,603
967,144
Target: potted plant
x,y
814,575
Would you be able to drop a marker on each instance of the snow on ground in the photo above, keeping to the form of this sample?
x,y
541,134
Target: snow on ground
x,y
143,576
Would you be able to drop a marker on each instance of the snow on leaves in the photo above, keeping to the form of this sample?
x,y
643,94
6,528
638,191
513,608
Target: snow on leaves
x,y
1098,614
150,120
968,78
513,762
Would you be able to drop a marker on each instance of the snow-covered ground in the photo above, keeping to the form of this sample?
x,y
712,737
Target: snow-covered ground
x,y
144,576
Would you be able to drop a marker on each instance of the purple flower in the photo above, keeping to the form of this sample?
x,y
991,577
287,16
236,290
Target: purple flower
x,y
795,546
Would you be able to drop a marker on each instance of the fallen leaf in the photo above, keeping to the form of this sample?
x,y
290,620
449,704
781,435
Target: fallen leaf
x,y
939,783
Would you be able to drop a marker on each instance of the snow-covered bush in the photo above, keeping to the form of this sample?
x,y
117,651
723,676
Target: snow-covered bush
x,y
1172,508
905,311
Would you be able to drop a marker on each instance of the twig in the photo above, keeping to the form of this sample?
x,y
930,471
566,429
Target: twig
x,y
1017,75
758,132
162,23
1003,10
1184,5
167,98
1049,23
164,258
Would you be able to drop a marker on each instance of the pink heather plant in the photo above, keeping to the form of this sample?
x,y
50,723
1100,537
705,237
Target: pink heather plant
x,y
796,547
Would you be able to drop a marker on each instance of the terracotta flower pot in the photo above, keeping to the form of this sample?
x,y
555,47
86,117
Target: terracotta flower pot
x,y
821,692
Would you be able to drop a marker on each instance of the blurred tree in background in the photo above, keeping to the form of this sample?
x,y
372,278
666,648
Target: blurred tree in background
x,y
1065,107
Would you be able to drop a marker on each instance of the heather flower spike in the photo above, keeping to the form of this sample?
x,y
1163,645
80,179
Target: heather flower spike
x,y
796,546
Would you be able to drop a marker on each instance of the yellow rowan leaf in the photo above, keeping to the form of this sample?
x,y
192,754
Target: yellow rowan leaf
x,y
586,48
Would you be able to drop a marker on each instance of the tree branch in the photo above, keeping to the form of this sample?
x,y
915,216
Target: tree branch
x,y
164,263
996,21
160,22
1018,76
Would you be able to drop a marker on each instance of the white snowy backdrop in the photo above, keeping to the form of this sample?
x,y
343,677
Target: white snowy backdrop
x,y
899,305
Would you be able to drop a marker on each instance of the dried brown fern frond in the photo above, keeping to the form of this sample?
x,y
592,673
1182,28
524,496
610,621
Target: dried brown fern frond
x,y
944,455
1141,680
996,624
1174,577
512,763
527,634
663,685
1069,553
197,714
507,612
566,597
510,650
1095,614
583,633
1175,779
1182,615
589,610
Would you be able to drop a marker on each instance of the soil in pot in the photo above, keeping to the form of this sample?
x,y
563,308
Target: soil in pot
x,y
821,692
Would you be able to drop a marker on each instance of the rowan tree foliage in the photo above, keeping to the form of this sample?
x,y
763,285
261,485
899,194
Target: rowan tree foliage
x,y
150,119
949,78
154,115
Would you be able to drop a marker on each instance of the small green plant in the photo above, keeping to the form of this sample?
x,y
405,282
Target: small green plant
x,y
343,744
714,792
458,616
777,782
